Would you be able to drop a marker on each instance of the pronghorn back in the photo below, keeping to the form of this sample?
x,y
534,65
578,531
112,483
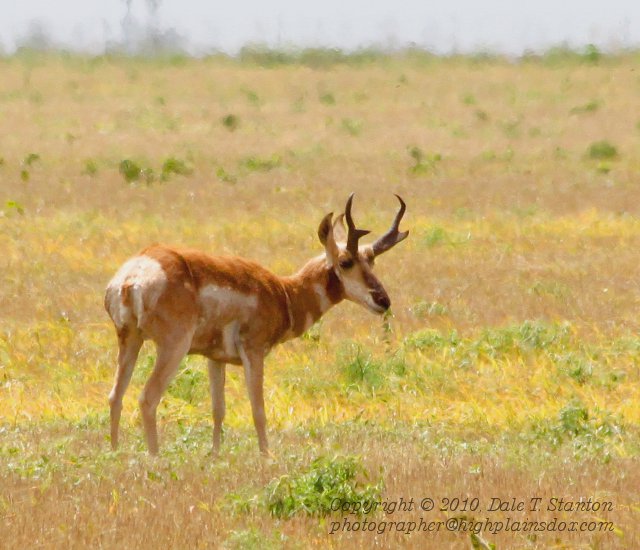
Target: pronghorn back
x,y
223,296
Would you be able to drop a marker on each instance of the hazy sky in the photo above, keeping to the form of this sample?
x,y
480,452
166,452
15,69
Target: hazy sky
x,y
443,26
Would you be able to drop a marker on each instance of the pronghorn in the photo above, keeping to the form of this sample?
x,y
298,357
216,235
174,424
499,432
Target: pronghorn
x,y
231,310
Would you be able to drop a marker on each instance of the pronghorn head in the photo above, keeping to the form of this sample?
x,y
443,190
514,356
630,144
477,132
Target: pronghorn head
x,y
353,264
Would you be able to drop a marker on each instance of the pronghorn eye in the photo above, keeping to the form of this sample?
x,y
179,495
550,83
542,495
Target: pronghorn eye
x,y
346,264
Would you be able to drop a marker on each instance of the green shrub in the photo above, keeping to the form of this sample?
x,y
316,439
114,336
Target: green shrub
x,y
30,159
352,126
481,115
252,97
530,335
423,163
231,122
190,385
328,99
360,369
435,236
424,309
313,492
432,339
573,419
602,150
130,170
468,99
261,164
90,167
13,206
591,54
175,166
225,176
587,434
590,107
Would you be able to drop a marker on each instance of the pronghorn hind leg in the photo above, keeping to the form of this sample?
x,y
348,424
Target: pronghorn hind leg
x,y
170,353
130,342
216,385
253,363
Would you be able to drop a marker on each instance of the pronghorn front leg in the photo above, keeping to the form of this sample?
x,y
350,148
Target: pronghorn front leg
x,y
253,362
216,385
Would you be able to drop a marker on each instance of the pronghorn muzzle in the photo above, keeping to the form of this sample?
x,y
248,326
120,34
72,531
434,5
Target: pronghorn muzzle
x,y
381,298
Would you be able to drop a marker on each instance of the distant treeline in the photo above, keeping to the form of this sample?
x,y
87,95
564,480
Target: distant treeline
x,y
263,56
321,57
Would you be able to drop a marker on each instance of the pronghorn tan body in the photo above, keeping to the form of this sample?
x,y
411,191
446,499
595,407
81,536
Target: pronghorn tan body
x,y
230,310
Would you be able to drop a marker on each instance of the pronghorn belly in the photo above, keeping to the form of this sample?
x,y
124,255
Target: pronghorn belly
x,y
219,343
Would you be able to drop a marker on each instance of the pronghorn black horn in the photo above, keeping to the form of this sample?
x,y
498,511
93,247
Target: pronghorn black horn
x,y
354,234
393,236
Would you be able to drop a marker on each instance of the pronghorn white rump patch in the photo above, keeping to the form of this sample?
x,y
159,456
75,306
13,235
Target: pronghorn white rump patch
x,y
146,281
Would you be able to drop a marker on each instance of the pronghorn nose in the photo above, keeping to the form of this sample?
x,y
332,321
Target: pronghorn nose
x,y
381,299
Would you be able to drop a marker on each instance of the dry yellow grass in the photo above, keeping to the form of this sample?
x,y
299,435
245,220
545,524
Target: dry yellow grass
x,y
510,367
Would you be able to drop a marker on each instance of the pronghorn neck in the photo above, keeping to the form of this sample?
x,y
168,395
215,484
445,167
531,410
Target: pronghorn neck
x,y
310,294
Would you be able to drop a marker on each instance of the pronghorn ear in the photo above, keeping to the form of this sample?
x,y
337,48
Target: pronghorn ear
x,y
325,233
339,232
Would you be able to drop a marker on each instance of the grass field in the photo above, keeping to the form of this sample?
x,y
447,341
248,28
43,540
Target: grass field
x,y
509,368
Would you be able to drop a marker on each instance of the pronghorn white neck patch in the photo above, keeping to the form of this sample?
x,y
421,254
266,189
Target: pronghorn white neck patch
x,y
323,299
